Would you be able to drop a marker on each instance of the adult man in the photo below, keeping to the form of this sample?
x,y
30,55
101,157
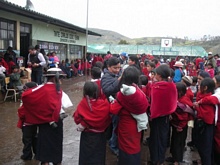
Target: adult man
x,y
212,60
109,84
36,61
123,58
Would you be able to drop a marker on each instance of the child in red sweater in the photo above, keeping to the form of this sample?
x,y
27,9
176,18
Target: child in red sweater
x,y
179,119
92,116
205,121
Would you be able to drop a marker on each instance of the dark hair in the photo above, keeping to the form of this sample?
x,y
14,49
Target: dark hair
x,y
194,79
42,51
204,74
98,64
181,89
135,59
210,64
217,78
172,73
143,80
146,61
152,64
163,71
113,61
15,67
91,90
31,48
130,75
155,61
96,73
216,55
29,85
209,83
37,47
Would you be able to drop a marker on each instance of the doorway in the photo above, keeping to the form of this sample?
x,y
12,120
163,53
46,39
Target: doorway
x,y
24,44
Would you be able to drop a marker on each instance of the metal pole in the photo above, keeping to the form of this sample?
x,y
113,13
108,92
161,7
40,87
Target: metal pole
x,y
87,16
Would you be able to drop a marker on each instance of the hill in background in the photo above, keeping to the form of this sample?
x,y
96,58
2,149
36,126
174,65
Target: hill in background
x,y
110,37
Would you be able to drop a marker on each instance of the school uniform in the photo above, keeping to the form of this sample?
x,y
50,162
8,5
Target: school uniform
x,y
163,96
98,82
179,122
37,110
205,124
215,99
129,133
189,93
94,116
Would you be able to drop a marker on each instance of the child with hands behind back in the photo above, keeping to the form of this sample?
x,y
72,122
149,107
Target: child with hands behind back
x,y
92,116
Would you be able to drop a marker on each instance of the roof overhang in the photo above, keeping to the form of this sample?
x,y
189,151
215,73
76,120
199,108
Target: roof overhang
x,y
13,8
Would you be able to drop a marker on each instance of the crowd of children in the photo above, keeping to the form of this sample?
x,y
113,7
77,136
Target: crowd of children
x,y
125,98
170,97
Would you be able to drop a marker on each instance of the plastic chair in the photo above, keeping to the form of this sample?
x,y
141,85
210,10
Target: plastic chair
x,y
15,92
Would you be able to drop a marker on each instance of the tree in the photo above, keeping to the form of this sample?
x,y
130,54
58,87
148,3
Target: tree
x,y
123,42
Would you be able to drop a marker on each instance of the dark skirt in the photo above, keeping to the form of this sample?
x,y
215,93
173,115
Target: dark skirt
x,y
158,139
129,159
92,148
50,143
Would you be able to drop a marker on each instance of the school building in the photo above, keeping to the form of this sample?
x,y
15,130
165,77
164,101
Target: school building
x,y
21,27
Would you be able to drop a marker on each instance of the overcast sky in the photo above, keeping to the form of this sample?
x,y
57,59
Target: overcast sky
x,y
138,18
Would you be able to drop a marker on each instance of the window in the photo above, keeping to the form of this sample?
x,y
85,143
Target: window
x,y
49,47
7,34
76,51
25,28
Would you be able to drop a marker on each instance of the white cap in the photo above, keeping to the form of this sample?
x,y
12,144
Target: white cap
x,y
210,53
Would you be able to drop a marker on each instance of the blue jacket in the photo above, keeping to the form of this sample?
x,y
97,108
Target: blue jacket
x,y
109,83
178,75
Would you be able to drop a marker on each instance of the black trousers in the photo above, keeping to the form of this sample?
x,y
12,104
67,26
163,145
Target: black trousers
x,y
29,139
158,138
205,142
178,143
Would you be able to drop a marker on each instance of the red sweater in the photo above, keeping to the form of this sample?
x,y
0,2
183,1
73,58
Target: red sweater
x,y
93,114
128,135
179,117
101,94
217,133
213,100
40,105
163,99
206,108
189,93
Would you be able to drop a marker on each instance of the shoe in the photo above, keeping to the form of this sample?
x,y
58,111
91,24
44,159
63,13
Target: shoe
x,y
24,158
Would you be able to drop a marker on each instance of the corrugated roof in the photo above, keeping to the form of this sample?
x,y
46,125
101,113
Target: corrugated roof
x,y
148,49
13,8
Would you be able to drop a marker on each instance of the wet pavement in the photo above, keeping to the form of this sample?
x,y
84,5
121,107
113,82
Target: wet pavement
x,y
10,136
